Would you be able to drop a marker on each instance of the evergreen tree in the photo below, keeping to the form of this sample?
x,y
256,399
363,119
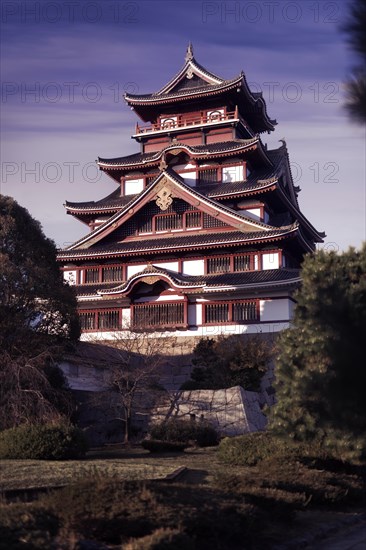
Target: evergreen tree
x,y
38,319
229,361
356,84
320,373
32,293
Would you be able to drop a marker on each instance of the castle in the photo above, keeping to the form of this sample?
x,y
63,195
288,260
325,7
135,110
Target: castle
x,y
203,234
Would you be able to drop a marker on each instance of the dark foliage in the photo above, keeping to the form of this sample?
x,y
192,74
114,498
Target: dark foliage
x,y
356,85
32,293
42,442
158,446
202,434
320,374
229,361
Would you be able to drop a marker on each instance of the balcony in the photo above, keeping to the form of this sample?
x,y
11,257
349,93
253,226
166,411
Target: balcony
x,y
178,123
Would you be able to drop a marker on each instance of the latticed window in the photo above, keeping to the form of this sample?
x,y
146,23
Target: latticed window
x,y
209,221
87,320
193,219
92,275
207,175
145,225
168,222
108,319
218,265
227,312
245,311
114,273
243,263
158,315
217,313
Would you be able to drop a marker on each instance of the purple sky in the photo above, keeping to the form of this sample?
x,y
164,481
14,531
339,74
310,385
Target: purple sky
x,y
66,63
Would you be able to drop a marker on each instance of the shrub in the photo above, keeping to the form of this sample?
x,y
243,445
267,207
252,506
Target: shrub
x,y
26,526
206,435
158,446
174,430
201,433
42,442
249,449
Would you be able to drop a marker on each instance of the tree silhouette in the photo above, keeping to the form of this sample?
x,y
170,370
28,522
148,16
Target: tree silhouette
x,y
356,85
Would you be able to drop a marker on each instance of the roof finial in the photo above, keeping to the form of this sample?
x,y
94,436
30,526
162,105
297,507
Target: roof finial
x,y
189,52
284,144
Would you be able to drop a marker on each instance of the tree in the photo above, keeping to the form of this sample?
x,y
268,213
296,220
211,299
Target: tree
x,y
38,319
229,361
32,293
132,381
320,373
356,85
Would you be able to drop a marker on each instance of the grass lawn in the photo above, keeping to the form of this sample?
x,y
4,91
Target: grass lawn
x,y
120,464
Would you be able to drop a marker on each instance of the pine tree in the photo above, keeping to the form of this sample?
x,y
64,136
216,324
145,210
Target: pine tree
x,y
320,372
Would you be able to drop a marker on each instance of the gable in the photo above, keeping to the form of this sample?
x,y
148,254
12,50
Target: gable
x,y
178,217
187,83
163,192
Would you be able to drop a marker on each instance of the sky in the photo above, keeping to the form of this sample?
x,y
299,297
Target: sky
x,y
65,65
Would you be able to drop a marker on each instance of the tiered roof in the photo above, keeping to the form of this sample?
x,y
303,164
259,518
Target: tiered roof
x,y
194,83
199,283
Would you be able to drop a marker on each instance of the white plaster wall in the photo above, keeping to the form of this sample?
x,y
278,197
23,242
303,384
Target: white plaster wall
x,y
70,277
184,166
275,310
200,331
194,267
132,269
270,261
256,262
165,298
173,266
134,186
254,212
126,317
232,173
189,178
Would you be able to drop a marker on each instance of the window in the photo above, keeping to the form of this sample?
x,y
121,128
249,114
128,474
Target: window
x,y
168,222
158,315
102,320
114,273
92,275
218,265
235,312
217,313
245,311
108,319
207,175
193,219
232,173
243,262
87,320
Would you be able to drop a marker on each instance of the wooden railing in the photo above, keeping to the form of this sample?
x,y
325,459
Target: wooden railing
x,y
174,123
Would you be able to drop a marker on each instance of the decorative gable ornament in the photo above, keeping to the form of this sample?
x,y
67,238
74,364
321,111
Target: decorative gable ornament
x,y
164,198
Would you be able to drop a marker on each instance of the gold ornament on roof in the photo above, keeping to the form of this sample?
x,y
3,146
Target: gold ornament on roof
x,y
189,73
164,198
189,52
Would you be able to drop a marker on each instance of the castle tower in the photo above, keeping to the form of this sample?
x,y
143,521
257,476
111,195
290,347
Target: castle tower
x,y
203,234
